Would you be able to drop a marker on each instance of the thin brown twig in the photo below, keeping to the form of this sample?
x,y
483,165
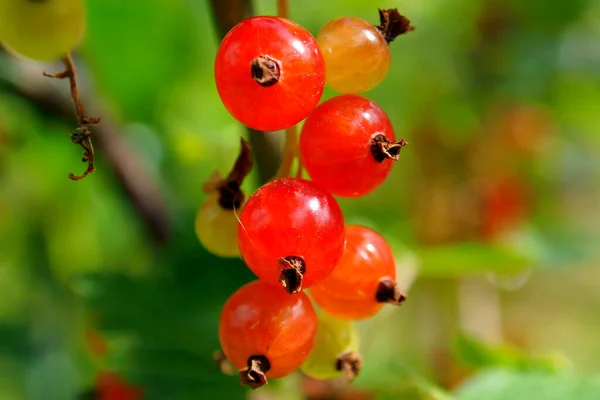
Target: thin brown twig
x,y
81,136
139,188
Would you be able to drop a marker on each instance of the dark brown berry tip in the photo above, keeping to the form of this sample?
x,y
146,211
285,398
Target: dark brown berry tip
x,y
384,149
349,364
293,269
230,195
223,363
254,374
265,70
389,292
393,24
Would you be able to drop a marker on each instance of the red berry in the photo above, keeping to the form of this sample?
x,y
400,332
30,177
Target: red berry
x,y
111,386
363,280
269,72
504,206
263,330
348,145
291,231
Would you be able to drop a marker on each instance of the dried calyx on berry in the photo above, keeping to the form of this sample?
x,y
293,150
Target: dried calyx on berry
x,y
265,70
254,374
389,292
349,364
384,149
231,196
293,269
393,24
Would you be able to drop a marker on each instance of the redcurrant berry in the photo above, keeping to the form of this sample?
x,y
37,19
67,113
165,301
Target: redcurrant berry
x,y
348,145
291,231
504,206
265,332
336,350
356,53
363,280
269,73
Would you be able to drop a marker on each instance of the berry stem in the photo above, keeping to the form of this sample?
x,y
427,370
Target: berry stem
x,y
393,24
267,146
231,196
384,149
254,374
349,364
81,136
290,149
389,292
283,9
293,269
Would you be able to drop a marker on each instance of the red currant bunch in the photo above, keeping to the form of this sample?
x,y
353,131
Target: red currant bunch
x,y
270,74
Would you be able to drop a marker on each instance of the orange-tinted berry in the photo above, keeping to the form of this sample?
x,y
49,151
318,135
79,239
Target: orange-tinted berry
x,y
363,280
266,332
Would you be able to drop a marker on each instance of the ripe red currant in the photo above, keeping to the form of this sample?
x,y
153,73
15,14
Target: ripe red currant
x,y
356,53
291,231
266,332
269,73
348,145
363,280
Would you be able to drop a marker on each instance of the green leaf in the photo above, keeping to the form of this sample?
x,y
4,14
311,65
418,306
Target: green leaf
x,y
471,258
513,385
476,354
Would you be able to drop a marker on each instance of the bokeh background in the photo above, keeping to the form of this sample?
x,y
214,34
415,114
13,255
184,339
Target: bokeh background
x,y
492,210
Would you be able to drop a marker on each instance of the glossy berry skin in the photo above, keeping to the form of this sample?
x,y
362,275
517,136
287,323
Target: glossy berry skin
x,y
301,73
262,319
356,54
41,30
291,217
335,145
350,291
335,337
216,228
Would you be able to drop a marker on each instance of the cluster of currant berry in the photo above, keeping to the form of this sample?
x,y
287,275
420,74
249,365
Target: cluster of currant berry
x,y
270,74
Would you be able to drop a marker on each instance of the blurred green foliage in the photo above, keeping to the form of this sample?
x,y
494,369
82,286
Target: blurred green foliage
x,y
76,256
